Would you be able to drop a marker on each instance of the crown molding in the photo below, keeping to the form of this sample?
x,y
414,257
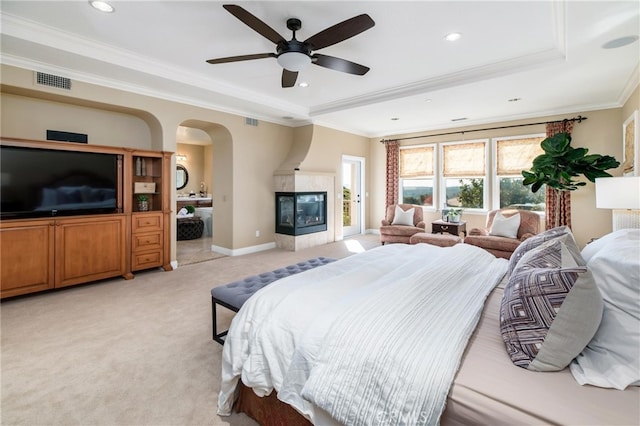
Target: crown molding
x,y
632,83
472,75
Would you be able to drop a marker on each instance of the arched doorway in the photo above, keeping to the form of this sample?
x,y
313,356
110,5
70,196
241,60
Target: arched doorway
x,y
203,150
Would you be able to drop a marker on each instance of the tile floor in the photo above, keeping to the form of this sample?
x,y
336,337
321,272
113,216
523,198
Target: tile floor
x,y
195,251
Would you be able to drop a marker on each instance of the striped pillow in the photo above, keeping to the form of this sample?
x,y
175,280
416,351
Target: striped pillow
x,y
535,241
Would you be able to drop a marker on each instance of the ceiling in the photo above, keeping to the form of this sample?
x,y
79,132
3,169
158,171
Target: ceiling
x,y
515,60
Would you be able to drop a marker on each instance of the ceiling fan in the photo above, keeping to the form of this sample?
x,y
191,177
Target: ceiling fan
x,y
294,55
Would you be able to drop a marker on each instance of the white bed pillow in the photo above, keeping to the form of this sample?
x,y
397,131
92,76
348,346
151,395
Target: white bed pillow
x,y
612,357
551,307
593,247
505,226
401,217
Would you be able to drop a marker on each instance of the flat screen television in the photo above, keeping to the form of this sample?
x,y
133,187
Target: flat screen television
x,y
39,182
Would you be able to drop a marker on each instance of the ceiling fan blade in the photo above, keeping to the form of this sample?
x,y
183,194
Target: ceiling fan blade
x,y
342,31
241,58
254,23
338,64
289,78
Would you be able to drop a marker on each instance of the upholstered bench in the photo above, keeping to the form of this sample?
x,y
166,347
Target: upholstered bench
x,y
233,295
189,228
441,240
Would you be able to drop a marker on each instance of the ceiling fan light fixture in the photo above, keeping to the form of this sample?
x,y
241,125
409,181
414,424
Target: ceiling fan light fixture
x,y
294,61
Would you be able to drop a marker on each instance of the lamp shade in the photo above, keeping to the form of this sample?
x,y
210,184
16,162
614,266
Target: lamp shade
x,y
618,193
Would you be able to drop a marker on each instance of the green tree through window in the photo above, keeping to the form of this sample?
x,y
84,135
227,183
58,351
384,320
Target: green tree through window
x,y
471,193
515,195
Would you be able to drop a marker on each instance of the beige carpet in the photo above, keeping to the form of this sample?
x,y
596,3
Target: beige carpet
x,y
135,352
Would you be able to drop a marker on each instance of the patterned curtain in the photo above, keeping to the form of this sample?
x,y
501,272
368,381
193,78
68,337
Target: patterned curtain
x,y
552,199
393,161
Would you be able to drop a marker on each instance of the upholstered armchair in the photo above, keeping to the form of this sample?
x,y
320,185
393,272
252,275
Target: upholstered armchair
x,y
494,238
398,228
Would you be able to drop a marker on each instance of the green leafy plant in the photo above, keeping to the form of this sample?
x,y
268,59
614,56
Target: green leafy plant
x,y
561,164
190,209
472,194
454,213
142,197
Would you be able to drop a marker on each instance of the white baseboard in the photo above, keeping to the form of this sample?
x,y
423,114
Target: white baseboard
x,y
244,250
375,231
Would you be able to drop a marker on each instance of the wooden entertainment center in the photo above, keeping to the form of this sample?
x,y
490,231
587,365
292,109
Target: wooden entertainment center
x,y
43,253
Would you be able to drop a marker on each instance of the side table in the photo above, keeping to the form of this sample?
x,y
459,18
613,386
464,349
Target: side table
x,y
440,227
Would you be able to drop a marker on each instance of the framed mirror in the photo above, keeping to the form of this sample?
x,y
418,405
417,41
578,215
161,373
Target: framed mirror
x,y
182,176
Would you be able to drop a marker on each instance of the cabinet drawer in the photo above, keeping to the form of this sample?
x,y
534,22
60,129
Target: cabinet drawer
x,y
442,228
146,260
146,241
146,222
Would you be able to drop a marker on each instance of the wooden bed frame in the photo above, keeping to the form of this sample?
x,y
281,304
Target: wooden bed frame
x,y
268,410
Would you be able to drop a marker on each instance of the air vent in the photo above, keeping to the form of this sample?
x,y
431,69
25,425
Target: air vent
x,y
53,81
251,121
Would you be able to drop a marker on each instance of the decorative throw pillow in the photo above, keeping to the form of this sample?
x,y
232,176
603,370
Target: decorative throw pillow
x,y
533,242
612,357
505,226
401,217
551,307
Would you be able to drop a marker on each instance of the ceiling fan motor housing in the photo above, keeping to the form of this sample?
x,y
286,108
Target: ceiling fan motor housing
x,y
293,46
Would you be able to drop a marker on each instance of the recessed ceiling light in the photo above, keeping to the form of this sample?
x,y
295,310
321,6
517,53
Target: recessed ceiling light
x,y
514,99
619,42
102,6
304,84
427,100
453,36
287,117
395,118
459,119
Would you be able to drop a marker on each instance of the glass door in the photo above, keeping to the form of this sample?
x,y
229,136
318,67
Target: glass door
x,y
352,196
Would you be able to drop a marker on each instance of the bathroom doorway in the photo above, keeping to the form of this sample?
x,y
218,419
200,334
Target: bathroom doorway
x,y
194,180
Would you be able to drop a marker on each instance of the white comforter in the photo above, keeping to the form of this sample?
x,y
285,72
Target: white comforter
x,y
375,338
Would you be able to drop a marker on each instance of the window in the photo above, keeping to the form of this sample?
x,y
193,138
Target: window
x,y
512,155
416,175
464,172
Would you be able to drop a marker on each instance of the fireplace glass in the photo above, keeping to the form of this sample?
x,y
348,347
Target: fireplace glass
x,y
299,213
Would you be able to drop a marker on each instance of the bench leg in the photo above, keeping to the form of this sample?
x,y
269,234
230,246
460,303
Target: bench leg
x,y
214,322
218,337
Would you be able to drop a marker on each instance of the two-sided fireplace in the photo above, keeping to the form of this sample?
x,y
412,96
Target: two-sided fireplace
x,y
300,213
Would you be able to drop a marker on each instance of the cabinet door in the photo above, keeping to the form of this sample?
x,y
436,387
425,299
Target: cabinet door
x,y
89,249
26,257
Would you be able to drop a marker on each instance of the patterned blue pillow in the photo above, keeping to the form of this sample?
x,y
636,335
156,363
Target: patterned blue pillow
x,y
551,307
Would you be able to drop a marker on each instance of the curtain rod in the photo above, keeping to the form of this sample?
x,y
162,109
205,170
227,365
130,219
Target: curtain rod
x,y
578,119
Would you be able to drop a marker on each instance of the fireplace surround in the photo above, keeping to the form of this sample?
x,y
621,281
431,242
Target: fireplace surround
x,y
301,213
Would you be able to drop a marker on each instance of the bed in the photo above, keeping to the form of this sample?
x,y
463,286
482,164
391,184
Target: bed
x,y
343,344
